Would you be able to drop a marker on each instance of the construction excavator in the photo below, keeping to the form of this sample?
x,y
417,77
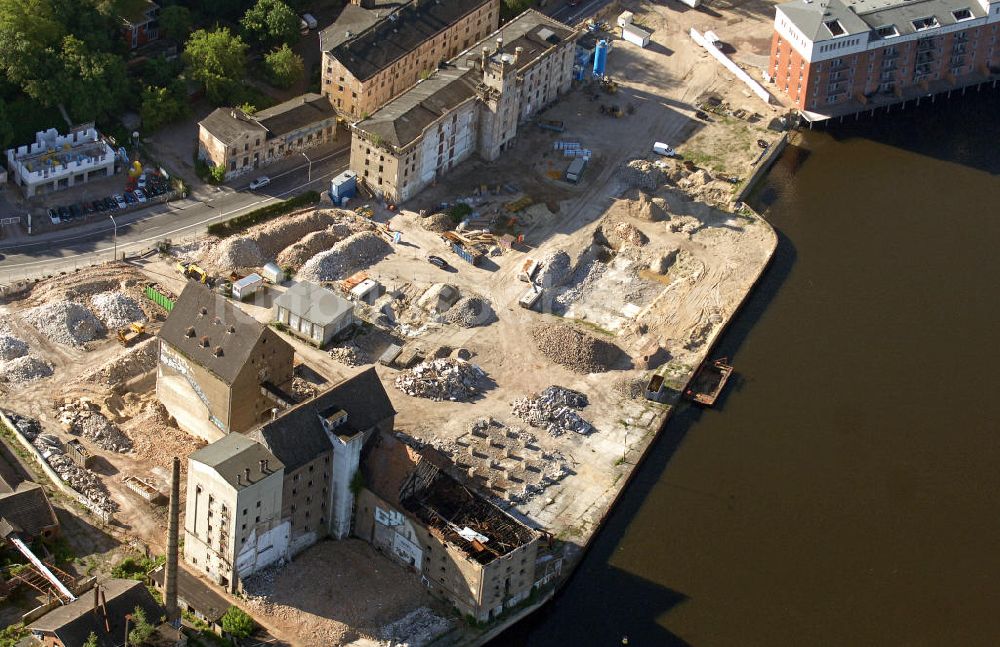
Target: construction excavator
x,y
192,271
128,336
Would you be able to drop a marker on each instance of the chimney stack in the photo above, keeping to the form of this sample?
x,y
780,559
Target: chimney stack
x,y
263,466
173,521
517,54
246,473
499,44
486,56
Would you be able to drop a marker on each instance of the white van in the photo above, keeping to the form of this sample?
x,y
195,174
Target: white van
x,y
310,20
662,149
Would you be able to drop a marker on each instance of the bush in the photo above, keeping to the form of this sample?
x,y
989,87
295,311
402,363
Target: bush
x,y
136,567
459,212
237,623
239,223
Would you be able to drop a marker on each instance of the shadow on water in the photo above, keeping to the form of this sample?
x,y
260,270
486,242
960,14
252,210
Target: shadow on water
x,y
602,603
929,129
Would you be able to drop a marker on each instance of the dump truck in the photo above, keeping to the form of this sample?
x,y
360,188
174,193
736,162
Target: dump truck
x,y
129,335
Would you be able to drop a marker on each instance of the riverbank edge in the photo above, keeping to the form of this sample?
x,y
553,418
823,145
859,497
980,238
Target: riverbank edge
x,y
569,567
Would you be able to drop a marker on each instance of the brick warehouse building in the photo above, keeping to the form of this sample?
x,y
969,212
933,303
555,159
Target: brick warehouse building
x,y
839,57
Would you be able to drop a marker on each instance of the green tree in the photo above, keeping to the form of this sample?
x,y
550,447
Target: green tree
x,y
90,84
6,127
160,71
161,106
511,8
91,640
270,22
284,67
30,32
175,22
217,60
142,629
237,623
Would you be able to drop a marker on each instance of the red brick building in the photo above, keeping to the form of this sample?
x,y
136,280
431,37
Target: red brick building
x,y
837,57
140,22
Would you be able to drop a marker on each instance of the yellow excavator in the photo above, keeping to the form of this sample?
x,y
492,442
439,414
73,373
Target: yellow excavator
x,y
192,271
128,336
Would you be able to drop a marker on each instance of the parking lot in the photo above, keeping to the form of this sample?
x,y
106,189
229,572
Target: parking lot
x,y
138,192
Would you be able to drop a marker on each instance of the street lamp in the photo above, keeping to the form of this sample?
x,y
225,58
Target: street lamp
x,y
116,234
310,178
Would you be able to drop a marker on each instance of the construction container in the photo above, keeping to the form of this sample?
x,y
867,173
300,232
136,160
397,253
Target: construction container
x,y
368,291
530,298
141,487
389,356
625,18
575,170
600,58
273,273
78,453
247,286
635,35
343,186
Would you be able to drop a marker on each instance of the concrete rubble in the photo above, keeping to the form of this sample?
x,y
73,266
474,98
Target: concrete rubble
x,y
83,418
642,174
574,349
471,311
266,241
437,222
354,253
556,268
554,410
11,347
26,368
415,629
443,379
629,387
65,322
116,310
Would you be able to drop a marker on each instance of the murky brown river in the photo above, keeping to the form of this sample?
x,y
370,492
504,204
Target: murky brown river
x,y
847,491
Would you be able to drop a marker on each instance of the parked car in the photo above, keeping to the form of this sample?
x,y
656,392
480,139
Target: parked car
x,y
120,201
260,182
139,195
129,198
54,217
64,213
110,204
438,261
142,181
662,149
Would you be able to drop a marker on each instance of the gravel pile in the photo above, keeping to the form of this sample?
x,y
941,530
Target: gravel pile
x,y
348,356
471,311
11,347
556,269
621,233
263,242
583,280
83,420
437,222
417,628
116,309
554,410
27,427
574,349
239,251
350,255
82,480
299,252
137,360
65,322
24,369
443,379
629,387
641,174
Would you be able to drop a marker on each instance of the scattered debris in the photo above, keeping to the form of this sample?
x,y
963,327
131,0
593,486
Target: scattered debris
x,y
28,427
553,410
574,349
471,311
556,269
11,347
354,253
347,355
135,361
642,174
629,387
65,322
621,233
417,628
116,310
437,222
82,418
154,438
443,379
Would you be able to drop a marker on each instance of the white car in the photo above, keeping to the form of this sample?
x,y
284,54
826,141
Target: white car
x,y
260,182
140,195
662,149
142,181
119,200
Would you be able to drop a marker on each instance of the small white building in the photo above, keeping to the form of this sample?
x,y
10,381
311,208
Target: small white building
x,y
635,35
55,162
233,525
313,312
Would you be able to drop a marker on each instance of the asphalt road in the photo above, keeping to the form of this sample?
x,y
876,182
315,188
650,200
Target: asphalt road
x,y
572,14
96,241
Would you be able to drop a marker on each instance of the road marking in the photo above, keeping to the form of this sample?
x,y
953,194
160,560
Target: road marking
x,y
64,259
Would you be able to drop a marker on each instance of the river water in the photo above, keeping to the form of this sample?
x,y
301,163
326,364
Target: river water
x,y
847,491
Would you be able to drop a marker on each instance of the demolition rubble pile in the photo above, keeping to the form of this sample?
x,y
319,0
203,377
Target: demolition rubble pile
x,y
26,368
642,174
443,379
471,311
574,349
629,387
622,233
65,322
348,355
556,269
137,360
437,223
418,627
354,253
82,418
262,243
11,347
554,410
51,448
116,309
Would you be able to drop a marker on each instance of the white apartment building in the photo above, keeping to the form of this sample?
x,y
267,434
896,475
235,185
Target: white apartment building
x,y
55,162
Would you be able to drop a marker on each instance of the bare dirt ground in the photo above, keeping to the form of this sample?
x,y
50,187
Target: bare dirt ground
x,y
334,593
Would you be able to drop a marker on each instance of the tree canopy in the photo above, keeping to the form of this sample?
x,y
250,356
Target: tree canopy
x,y
176,21
271,22
237,623
217,60
163,105
284,67
142,628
